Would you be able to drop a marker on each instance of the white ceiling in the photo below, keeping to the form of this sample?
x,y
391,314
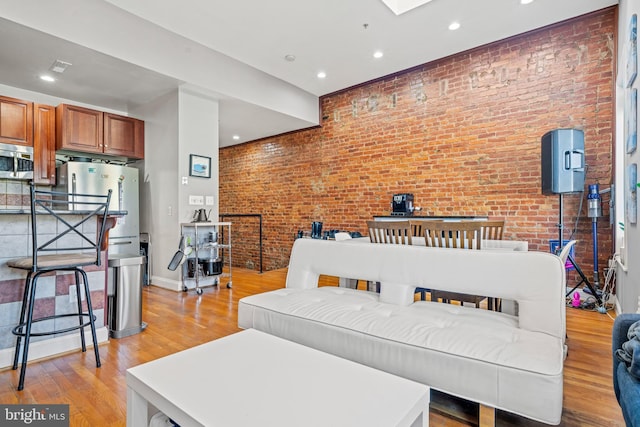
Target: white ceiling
x,y
334,36
93,78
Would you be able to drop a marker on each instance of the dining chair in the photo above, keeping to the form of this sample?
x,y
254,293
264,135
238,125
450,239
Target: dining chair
x,y
461,235
416,228
418,225
60,243
454,234
492,230
391,232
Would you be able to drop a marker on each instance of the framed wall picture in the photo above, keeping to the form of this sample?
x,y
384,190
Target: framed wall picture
x,y
199,166
632,51
631,120
631,195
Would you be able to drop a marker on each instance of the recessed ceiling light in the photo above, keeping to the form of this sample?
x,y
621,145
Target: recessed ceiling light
x,y
47,78
290,58
526,1
236,137
321,75
454,26
378,54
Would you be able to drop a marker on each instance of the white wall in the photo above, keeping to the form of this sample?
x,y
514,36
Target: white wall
x,y
159,183
628,244
178,124
198,135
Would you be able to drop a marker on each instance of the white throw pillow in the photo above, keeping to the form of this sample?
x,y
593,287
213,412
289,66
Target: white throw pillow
x,y
393,293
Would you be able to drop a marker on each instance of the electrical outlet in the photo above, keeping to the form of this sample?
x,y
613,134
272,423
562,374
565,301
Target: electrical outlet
x,y
209,201
196,200
185,180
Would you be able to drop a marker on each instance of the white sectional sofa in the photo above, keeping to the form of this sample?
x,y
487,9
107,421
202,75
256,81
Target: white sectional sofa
x,y
513,363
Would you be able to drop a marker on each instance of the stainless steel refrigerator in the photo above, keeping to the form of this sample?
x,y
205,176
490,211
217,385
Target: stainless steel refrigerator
x,y
98,178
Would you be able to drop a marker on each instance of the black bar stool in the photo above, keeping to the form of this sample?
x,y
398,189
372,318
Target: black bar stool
x,y
67,248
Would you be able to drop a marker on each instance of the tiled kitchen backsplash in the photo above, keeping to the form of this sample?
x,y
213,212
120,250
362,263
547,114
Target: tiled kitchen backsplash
x,y
14,194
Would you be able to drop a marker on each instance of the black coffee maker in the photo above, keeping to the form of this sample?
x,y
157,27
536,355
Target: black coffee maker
x,y
402,204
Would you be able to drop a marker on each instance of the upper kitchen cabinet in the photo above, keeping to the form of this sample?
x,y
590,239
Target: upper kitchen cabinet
x,y
123,136
79,129
89,131
44,144
16,121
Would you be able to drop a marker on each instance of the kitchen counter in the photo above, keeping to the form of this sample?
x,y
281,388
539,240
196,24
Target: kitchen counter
x,y
445,217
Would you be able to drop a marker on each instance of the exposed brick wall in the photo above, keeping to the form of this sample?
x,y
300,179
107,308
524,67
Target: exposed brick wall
x,y
462,134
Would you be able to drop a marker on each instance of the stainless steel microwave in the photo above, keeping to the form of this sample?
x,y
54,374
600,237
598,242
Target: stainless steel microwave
x,y
16,161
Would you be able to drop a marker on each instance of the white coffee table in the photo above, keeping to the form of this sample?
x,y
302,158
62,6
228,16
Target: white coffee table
x,y
254,379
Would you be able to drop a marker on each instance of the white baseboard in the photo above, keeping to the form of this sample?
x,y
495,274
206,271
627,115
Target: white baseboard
x,y
161,282
617,306
54,346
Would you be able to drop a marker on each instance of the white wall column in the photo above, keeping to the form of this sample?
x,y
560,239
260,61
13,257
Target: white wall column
x,y
179,124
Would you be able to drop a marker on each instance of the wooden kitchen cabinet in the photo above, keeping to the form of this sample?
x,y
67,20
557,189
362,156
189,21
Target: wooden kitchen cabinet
x,y
123,136
79,129
44,144
90,131
16,121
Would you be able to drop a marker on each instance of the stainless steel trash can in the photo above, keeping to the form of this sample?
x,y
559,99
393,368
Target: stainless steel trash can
x,y
124,291
145,250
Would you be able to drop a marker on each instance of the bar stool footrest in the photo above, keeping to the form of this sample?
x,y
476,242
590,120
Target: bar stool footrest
x,y
18,330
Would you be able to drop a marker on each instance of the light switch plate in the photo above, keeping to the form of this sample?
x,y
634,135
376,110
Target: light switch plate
x,y
196,200
209,201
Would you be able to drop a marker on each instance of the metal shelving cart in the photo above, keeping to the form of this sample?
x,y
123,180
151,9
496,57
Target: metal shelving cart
x,y
208,247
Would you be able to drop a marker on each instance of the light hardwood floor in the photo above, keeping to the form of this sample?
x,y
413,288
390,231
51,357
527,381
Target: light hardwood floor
x,y
177,320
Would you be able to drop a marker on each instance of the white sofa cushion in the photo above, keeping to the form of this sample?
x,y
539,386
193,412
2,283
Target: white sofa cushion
x,y
483,335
